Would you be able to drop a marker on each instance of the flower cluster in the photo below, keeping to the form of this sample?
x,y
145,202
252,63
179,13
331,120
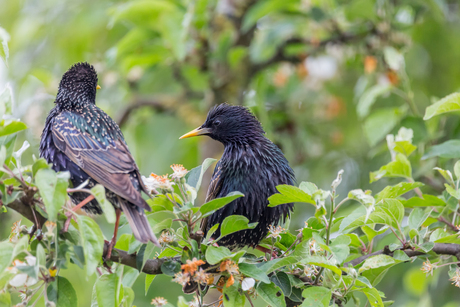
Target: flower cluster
x,y
314,247
230,267
163,183
166,237
179,171
22,279
456,278
190,270
16,231
428,267
50,226
181,278
275,232
159,301
310,270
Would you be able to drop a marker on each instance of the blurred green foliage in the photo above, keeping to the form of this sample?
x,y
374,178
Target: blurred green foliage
x,y
328,80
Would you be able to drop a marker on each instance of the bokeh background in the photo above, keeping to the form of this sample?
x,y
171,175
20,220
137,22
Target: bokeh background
x,y
328,79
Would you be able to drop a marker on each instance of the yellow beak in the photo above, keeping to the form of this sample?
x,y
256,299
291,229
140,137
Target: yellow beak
x,y
195,132
98,87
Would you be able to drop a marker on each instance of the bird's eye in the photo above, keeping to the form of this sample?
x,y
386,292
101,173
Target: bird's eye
x,y
216,122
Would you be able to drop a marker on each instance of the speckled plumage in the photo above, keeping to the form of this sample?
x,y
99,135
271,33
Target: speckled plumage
x,y
81,138
251,164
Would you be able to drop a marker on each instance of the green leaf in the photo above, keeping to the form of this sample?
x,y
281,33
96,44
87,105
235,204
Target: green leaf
x,y
38,165
92,242
134,245
232,297
371,233
322,262
400,255
388,212
449,150
282,280
380,123
316,297
269,293
62,293
6,255
296,295
195,176
21,246
340,247
235,223
418,216
53,189
147,254
308,187
171,267
363,197
369,97
4,51
289,194
41,256
211,232
215,255
404,147
426,201
426,247
447,175
159,226
275,264
253,271
106,290
215,204
399,168
148,281
397,190
453,192
373,296
374,268
160,203
109,212
447,104
457,169
12,127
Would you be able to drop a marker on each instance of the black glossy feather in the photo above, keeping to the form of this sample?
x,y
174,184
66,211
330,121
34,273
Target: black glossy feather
x,y
251,164
81,138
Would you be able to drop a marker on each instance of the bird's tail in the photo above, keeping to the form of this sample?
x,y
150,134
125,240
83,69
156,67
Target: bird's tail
x,y
139,223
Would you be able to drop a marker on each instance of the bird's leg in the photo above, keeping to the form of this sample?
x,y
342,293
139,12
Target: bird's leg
x,y
115,232
69,214
267,251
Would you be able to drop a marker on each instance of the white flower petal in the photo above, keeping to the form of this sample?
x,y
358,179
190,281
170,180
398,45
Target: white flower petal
x,y
31,260
18,280
247,284
31,281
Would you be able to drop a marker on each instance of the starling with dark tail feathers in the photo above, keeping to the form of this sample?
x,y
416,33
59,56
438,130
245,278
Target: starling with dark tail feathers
x,y
251,164
81,138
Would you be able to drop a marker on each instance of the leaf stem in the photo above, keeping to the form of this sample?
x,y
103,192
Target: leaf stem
x,y
343,201
392,230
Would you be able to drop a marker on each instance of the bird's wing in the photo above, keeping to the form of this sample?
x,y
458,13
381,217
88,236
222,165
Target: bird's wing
x,y
214,190
106,159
